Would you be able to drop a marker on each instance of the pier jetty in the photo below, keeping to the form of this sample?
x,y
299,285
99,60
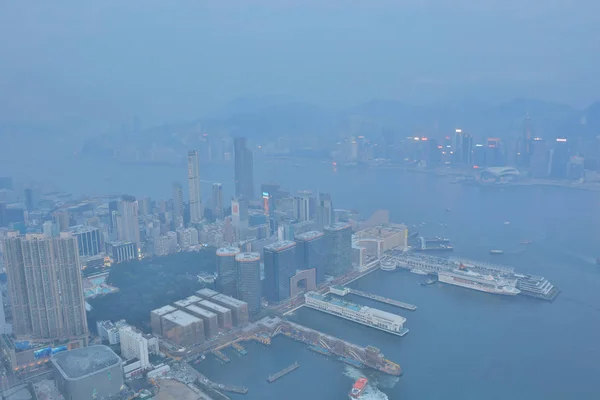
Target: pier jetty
x,y
283,372
342,291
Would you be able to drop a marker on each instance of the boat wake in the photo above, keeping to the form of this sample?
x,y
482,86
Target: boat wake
x,y
371,392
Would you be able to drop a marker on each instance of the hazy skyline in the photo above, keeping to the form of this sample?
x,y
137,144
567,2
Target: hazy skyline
x,y
172,61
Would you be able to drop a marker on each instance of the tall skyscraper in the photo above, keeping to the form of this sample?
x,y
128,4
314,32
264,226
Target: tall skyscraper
x,y
239,217
227,270
196,211
88,239
178,205
280,267
128,225
37,266
217,200
302,202
249,286
244,169
325,215
310,253
338,242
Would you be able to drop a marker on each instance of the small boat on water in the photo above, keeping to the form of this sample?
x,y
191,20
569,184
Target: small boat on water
x,y
506,223
525,242
496,252
358,388
428,282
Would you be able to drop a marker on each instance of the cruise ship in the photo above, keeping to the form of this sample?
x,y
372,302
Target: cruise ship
x,y
536,286
372,317
473,280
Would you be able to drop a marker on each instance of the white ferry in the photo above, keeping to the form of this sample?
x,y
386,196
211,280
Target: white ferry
x,y
484,283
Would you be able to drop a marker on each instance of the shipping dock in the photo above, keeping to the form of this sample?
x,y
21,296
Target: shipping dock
x,y
239,349
221,356
342,291
529,285
372,317
320,350
369,356
283,372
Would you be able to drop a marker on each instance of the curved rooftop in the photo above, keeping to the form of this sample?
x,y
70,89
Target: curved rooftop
x,y
501,171
86,361
311,235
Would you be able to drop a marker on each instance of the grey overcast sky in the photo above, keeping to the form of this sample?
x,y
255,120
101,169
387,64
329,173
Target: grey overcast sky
x,y
172,60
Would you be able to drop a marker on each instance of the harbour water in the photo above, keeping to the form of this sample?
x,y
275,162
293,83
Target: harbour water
x,y
462,344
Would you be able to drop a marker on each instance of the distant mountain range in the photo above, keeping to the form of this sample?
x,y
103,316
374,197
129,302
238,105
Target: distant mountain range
x,y
266,119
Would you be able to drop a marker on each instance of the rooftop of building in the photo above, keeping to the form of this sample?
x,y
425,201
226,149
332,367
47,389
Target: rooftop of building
x,y
227,251
206,292
311,235
213,306
181,318
82,229
85,361
187,301
229,300
338,226
355,307
201,311
381,231
280,246
112,325
120,243
247,257
164,310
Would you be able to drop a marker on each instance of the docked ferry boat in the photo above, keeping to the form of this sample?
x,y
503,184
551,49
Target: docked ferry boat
x,y
358,387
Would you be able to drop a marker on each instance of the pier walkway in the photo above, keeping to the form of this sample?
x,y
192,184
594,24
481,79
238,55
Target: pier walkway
x,y
213,385
382,299
283,372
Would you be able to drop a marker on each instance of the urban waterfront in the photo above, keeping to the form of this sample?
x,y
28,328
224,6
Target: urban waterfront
x,y
462,344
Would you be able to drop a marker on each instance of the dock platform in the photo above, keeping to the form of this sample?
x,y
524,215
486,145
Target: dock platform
x,y
239,349
381,299
221,356
283,372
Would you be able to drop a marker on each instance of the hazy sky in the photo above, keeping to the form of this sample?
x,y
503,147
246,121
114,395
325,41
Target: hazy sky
x,y
170,60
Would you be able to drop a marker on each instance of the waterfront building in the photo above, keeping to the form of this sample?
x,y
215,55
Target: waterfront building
x,y
310,253
36,265
244,169
226,270
156,318
182,328
338,244
248,280
209,318
239,309
280,265
223,313
377,240
196,211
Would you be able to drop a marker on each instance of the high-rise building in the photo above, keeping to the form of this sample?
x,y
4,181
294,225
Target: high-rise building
x,y
467,149
310,253
178,207
239,217
88,239
249,286
338,244
226,270
127,220
217,200
280,266
325,215
196,211
302,209
37,266
559,158
244,169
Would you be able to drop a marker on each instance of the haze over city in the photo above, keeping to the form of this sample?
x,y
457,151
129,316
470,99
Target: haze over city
x,y
300,199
